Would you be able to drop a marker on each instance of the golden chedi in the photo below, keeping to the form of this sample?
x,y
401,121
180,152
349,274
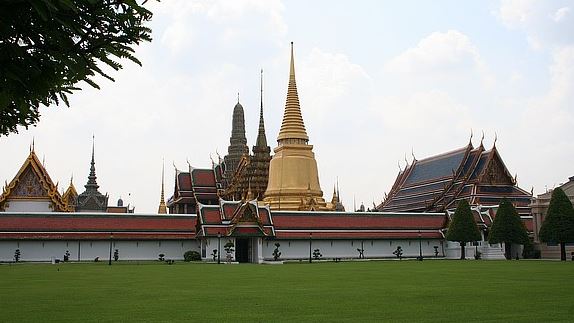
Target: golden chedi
x,y
293,177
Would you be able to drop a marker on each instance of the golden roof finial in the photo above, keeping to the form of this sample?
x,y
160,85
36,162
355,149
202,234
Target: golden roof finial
x,y
162,207
292,126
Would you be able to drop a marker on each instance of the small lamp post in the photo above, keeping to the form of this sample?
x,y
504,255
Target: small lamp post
x,y
420,247
110,259
218,247
310,243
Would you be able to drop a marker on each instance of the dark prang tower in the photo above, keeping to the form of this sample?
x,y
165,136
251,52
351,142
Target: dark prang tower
x,y
237,143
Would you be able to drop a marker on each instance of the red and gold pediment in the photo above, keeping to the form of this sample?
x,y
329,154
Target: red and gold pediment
x,y
495,172
246,216
33,182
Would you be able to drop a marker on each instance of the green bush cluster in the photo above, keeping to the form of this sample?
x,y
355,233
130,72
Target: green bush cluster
x,y
191,255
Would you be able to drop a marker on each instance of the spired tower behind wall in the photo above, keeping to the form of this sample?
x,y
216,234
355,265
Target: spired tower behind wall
x,y
237,144
293,176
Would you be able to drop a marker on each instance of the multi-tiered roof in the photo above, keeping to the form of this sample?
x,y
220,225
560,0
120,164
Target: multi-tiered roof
x,y
437,183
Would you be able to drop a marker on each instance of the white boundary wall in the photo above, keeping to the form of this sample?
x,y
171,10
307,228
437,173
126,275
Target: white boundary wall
x,y
299,249
38,250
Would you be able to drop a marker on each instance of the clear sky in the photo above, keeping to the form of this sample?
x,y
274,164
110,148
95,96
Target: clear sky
x,y
378,81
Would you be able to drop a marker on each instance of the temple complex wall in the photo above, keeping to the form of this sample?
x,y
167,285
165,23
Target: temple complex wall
x,y
336,248
38,250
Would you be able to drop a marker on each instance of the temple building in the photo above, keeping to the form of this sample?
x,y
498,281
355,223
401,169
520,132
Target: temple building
x,y
32,190
251,174
293,177
91,200
436,183
259,203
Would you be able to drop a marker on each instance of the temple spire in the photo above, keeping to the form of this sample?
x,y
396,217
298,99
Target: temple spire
x,y
261,139
91,199
162,207
292,128
92,184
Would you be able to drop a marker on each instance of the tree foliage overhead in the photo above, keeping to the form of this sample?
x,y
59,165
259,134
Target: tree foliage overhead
x,y
462,227
48,46
507,226
558,225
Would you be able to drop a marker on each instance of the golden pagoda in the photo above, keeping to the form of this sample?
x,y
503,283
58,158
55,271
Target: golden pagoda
x,y
293,176
162,209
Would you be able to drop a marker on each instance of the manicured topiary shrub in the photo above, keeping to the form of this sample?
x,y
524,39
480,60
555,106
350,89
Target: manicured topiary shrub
x,y
191,255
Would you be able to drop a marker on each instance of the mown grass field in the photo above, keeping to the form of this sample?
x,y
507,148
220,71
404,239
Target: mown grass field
x,y
407,291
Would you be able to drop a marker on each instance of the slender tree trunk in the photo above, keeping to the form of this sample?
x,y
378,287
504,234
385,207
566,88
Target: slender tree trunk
x,y
463,250
508,250
563,251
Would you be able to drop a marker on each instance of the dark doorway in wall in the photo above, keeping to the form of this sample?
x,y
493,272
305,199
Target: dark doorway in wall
x,y
242,250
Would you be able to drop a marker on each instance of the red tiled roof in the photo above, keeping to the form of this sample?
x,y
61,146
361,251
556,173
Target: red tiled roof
x,y
184,180
54,222
366,234
210,215
96,235
203,177
371,221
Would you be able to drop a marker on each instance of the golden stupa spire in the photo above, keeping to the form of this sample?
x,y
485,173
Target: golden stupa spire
x,y
162,208
292,127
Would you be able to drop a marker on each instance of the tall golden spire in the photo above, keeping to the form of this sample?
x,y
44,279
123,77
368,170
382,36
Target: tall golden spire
x,y
293,176
162,208
292,127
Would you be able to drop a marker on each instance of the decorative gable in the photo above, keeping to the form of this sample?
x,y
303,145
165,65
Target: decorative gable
x,y
246,220
495,172
32,182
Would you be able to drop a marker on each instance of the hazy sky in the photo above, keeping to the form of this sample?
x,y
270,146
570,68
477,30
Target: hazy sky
x,y
377,80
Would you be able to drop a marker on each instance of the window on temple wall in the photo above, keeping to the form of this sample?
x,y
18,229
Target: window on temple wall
x,y
331,243
372,242
352,243
137,244
289,243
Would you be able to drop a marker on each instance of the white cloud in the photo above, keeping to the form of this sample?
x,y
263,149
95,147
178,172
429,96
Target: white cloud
x,y
441,56
561,14
546,23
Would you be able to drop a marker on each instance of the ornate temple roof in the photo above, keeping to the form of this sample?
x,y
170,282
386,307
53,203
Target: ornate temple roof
x,y
70,197
437,183
91,199
33,182
247,218
292,127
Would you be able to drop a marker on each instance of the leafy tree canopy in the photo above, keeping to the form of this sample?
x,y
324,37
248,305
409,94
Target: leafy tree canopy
x,y
462,227
48,46
558,225
507,226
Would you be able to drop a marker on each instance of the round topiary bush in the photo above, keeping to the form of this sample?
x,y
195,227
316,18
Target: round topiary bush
x,y
191,255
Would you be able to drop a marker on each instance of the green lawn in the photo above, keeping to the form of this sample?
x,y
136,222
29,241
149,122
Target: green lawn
x,y
408,291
